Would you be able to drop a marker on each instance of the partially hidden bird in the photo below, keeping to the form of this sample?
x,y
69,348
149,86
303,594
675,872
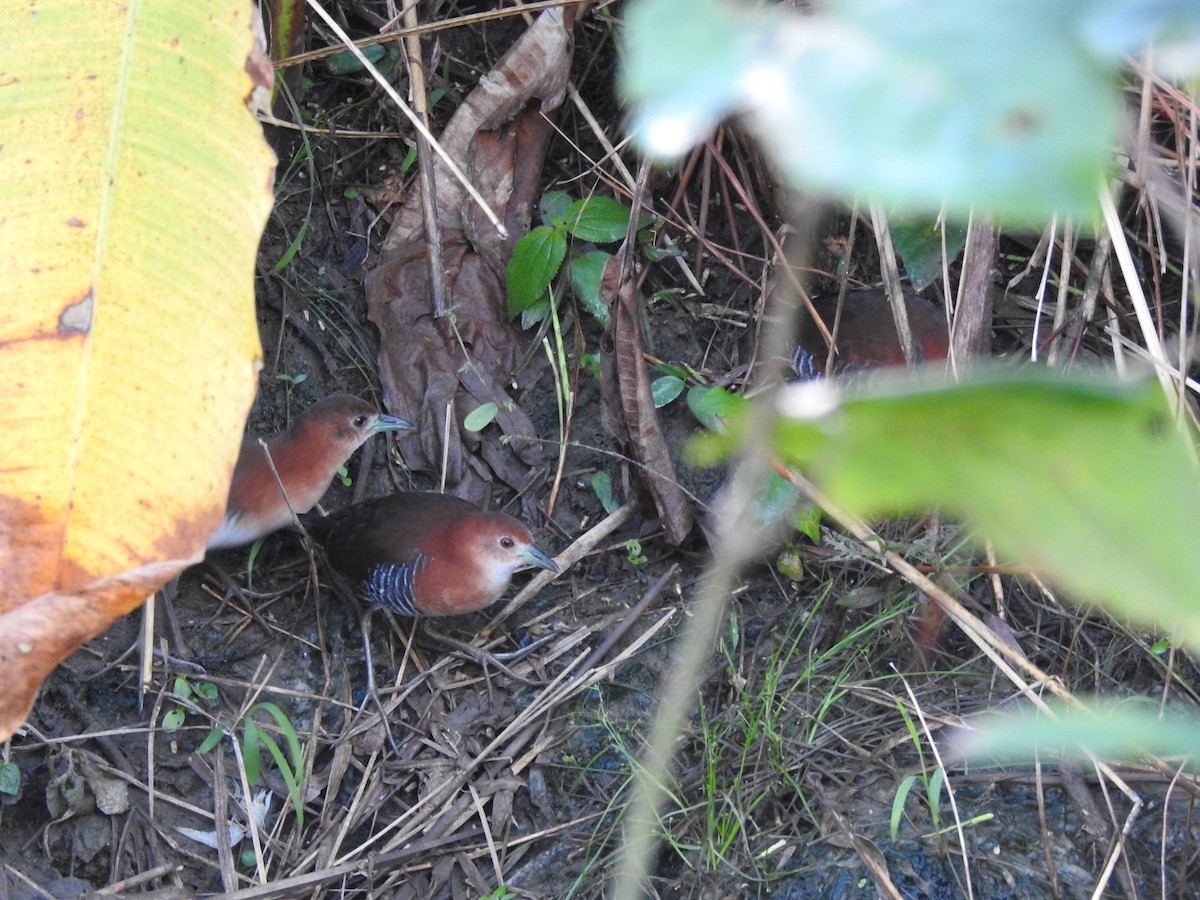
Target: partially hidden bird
x,y
426,554
306,457
866,335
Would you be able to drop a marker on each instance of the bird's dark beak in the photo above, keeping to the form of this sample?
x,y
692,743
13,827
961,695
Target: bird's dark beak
x,y
535,558
392,423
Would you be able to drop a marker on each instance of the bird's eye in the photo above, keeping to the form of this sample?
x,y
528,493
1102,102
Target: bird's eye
x,y
507,543
360,421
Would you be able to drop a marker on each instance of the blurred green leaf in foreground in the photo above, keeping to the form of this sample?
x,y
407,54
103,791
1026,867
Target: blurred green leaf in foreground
x,y
1011,106
1089,481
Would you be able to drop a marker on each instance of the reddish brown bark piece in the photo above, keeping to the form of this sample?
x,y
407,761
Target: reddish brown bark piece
x,y
499,137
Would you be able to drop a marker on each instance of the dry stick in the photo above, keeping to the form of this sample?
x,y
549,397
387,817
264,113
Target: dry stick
x,y
583,545
891,280
301,885
565,403
630,617
843,284
427,28
412,117
973,303
674,219
433,227
146,667
564,687
867,853
1132,284
789,273
120,887
220,789
734,544
1073,334
1064,286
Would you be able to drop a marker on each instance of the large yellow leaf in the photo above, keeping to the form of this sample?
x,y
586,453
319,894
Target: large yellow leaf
x,y
134,186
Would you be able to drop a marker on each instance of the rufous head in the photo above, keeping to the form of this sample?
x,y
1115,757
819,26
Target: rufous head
x,y
499,546
304,460
345,422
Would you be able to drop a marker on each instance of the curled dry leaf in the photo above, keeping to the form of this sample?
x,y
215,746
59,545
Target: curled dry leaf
x,y
499,137
629,411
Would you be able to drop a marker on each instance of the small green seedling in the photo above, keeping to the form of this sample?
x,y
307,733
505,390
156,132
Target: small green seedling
x,y
538,257
602,488
254,739
481,416
10,779
633,548
189,695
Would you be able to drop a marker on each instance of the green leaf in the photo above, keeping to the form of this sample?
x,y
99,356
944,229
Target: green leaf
x,y
590,363
410,159
902,792
1118,27
586,272
553,207
665,389
807,521
711,405
658,254
1120,730
535,261
1088,480
173,719
535,313
293,248
777,499
685,86
214,738
295,791
600,219
252,751
918,109
207,690
346,63
602,488
289,732
666,368
182,689
934,790
10,779
919,242
480,417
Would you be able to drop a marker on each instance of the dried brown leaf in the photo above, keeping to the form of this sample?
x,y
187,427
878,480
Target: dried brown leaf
x,y
499,137
629,410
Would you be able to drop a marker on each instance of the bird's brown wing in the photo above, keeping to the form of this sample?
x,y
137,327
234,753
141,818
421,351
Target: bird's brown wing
x,y
387,529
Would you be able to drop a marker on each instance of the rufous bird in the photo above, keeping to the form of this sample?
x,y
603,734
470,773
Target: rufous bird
x,y
422,554
866,335
306,457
